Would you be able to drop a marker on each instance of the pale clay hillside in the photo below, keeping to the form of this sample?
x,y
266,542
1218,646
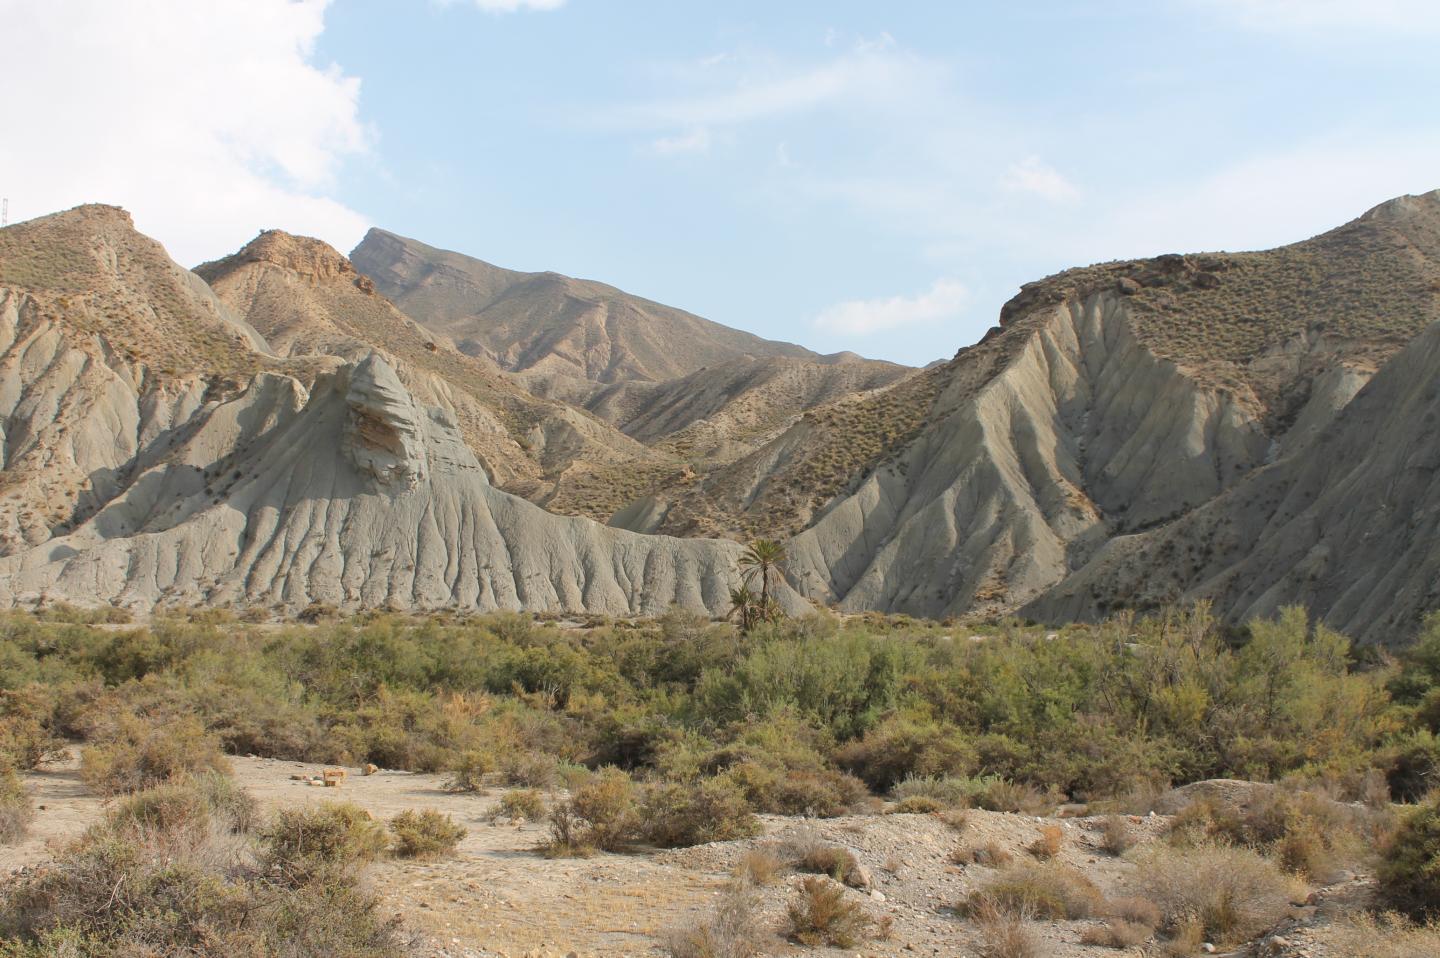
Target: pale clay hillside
x,y
1132,434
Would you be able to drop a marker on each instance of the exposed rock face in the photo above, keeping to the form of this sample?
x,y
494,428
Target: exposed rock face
x,y
1344,522
254,479
1108,458
1015,480
690,396
309,301
357,498
383,433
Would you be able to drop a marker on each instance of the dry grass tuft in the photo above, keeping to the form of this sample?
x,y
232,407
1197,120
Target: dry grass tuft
x,y
732,930
822,915
808,851
1137,911
1116,933
1115,835
987,854
759,866
1233,893
1048,845
1005,934
1383,936
1043,891
956,819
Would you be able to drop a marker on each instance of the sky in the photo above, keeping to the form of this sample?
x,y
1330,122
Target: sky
x,y
874,177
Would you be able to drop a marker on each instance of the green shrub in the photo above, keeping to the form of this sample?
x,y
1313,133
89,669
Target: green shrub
x,y
917,805
27,735
601,813
903,747
148,881
136,754
525,803
468,771
424,834
530,770
820,793
950,792
1410,866
191,802
710,810
302,842
1307,833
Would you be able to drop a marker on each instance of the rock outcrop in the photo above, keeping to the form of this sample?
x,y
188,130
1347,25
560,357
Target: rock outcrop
x,y
359,497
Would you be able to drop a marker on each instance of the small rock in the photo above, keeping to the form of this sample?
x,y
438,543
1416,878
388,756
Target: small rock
x,y
1127,286
859,877
877,896
1208,948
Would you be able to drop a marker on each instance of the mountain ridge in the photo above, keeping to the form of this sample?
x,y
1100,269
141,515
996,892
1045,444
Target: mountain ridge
x,y
550,326
1253,429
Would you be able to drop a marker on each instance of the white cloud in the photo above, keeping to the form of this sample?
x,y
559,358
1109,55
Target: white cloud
x,y
696,141
207,121
511,6
752,88
861,317
1034,175
1322,16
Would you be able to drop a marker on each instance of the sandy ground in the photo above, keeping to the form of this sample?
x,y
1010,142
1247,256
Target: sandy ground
x,y
498,897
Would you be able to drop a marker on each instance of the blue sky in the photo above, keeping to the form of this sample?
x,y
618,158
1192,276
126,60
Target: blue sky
x,y
846,175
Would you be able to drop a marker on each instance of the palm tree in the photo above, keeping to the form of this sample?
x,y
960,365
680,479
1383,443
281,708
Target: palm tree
x,y
742,602
763,556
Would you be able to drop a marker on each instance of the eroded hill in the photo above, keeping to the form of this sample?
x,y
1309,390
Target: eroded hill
x,y
1115,401
158,450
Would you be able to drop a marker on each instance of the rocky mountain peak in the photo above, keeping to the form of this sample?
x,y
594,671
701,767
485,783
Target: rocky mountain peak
x,y
1406,208
313,259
